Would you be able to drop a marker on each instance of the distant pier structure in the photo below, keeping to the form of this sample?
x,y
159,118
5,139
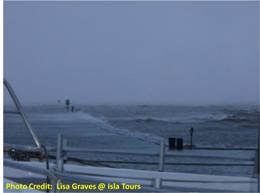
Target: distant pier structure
x,y
67,104
69,107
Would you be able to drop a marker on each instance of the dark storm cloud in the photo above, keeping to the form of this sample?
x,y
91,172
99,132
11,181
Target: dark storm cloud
x,y
139,52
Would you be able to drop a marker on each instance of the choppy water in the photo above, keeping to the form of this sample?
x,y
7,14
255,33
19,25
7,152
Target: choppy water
x,y
140,128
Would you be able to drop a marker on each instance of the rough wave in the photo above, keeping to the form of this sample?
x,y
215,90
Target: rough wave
x,y
175,119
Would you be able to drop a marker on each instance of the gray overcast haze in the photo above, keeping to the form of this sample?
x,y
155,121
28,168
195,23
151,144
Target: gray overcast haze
x,y
132,52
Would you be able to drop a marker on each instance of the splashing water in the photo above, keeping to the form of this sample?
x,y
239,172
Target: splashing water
x,y
106,126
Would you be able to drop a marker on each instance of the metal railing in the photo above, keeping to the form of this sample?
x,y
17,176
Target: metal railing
x,y
19,110
151,179
155,181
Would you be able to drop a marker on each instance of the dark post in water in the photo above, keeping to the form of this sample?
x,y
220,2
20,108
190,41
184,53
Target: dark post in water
x,y
67,103
191,136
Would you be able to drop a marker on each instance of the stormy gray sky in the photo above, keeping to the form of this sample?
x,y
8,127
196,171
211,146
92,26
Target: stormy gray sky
x,y
132,52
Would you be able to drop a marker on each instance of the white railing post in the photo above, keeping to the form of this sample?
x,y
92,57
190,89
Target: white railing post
x,y
64,146
161,156
158,181
59,155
